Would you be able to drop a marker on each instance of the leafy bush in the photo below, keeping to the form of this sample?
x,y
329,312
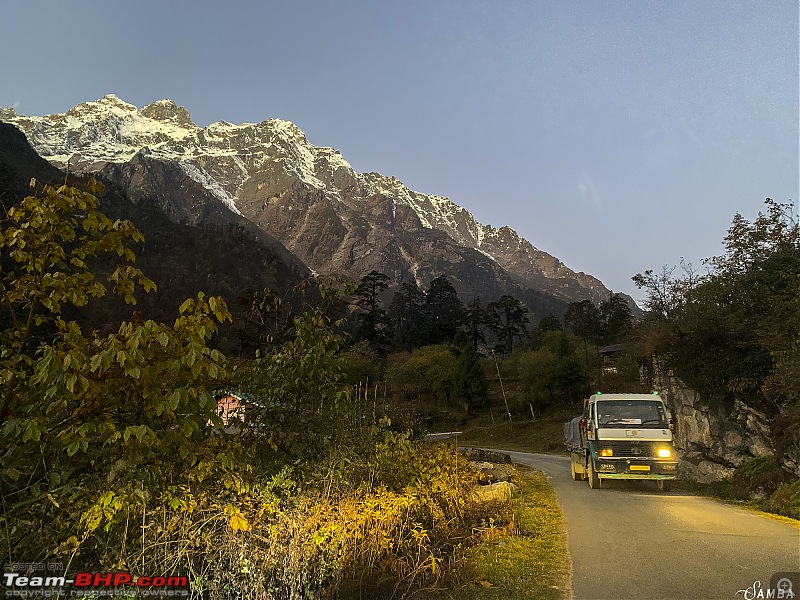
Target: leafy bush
x,y
759,476
785,500
429,369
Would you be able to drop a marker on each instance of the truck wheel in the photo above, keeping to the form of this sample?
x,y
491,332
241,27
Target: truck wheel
x,y
575,475
594,480
664,485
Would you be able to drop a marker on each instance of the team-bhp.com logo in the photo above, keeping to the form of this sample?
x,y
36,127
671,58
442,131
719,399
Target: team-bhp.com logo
x,y
93,584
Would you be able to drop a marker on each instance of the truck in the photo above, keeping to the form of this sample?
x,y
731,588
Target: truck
x,y
622,436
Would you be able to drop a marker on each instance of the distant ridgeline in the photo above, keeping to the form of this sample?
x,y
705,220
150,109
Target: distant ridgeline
x,y
299,199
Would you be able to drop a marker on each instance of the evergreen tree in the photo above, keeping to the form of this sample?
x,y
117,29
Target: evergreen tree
x,y
508,318
373,323
407,316
444,311
616,320
583,319
550,323
470,382
476,322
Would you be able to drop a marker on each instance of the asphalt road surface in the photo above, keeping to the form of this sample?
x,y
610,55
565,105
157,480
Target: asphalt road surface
x,y
628,541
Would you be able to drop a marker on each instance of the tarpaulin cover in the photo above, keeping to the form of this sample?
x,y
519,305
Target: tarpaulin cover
x,y
572,434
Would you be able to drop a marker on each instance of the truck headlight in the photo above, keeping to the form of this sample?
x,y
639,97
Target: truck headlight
x,y
664,453
606,452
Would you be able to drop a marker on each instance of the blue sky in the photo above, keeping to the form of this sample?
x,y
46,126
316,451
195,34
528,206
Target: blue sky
x,y
617,136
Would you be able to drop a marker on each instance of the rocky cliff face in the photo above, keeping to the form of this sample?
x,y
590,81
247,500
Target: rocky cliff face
x,y
307,197
714,440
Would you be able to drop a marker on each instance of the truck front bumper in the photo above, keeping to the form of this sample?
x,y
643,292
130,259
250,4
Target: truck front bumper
x,y
626,468
649,476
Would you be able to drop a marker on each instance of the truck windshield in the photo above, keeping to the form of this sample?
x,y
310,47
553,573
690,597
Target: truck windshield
x,y
631,413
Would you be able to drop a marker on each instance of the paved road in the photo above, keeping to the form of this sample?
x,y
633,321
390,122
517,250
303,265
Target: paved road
x,y
629,541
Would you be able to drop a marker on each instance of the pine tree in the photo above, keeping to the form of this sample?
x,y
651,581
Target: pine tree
x,y
470,382
373,323
407,316
444,310
508,318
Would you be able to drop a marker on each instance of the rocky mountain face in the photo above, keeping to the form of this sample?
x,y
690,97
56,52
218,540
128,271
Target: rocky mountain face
x,y
226,255
336,221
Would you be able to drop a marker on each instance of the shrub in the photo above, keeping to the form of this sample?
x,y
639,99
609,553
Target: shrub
x,y
785,500
758,476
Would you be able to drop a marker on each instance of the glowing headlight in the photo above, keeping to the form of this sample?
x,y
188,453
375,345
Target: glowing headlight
x,y
664,453
606,452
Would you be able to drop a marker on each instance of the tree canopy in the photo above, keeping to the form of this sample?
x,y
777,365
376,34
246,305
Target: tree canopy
x,y
733,331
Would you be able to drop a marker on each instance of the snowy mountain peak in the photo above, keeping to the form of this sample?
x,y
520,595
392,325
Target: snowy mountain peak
x,y
253,168
167,110
107,105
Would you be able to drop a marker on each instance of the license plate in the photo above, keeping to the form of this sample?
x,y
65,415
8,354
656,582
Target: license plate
x,y
640,467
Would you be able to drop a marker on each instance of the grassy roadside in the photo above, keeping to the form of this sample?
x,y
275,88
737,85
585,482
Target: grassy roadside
x,y
543,435
532,564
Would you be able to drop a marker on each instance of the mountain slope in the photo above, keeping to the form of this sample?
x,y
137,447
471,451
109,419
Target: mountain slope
x,y
309,198
224,257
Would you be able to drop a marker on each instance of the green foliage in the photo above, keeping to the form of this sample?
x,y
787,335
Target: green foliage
x,y
51,241
785,500
407,315
427,369
615,320
444,311
360,364
112,456
476,322
762,483
758,476
734,331
373,323
469,380
297,398
550,323
267,319
93,426
508,318
583,319
733,334
556,373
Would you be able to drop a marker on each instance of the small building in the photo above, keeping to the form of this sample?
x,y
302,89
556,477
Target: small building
x,y
230,406
609,356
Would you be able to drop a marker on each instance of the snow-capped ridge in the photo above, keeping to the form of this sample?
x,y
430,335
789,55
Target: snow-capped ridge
x,y
251,167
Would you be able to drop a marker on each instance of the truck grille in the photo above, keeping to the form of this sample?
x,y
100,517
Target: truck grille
x,y
633,450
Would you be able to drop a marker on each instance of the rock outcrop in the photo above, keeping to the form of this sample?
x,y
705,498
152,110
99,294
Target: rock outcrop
x,y
713,440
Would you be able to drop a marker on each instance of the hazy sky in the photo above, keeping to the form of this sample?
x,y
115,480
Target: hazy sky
x,y
617,136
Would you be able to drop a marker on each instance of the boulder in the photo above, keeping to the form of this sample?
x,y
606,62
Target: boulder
x,y
494,492
493,473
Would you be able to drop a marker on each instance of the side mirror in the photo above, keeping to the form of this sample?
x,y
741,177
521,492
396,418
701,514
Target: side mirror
x,y
672,425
